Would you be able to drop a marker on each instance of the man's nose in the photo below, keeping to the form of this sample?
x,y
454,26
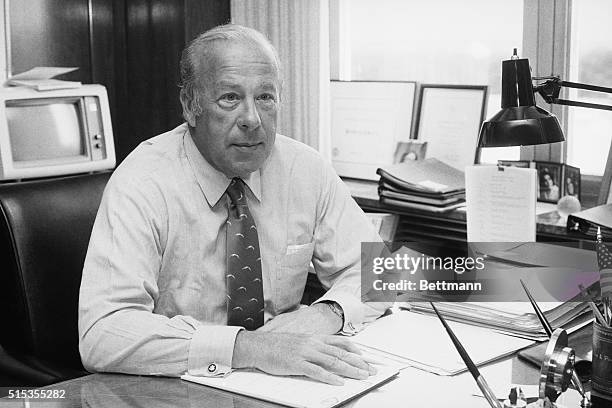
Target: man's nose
x,y
249,117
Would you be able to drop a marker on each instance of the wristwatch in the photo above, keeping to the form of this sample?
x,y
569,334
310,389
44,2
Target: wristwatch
x,y
335,307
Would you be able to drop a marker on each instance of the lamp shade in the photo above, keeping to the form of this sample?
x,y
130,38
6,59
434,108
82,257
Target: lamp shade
x,y
519,122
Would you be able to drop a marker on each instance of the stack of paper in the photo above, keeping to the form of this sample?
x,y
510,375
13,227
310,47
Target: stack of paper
x,y
513,318
422,342
41,79
429,185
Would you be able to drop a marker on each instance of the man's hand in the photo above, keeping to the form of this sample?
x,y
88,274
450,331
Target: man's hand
x,y
322,358
315,319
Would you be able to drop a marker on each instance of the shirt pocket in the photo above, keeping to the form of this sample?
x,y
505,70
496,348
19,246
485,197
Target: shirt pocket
x,y
290,277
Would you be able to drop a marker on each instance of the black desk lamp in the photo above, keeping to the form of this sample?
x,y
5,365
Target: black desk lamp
x,y
520,122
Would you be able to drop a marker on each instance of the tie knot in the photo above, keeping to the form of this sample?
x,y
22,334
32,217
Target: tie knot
x,y
235,191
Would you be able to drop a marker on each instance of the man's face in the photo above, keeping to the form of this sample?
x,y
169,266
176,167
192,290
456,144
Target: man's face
x,y
239,98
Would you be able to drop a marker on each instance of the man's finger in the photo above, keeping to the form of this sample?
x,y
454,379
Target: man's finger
x,y
320,374
338,366
350,358
340,341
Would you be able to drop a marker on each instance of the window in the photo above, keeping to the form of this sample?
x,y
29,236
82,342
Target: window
x,y
441,41
590,131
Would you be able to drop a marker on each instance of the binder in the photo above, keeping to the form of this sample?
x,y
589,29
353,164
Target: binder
x,y
428,176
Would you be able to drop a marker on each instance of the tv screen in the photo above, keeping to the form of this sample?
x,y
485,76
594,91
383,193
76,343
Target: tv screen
x,y
45,130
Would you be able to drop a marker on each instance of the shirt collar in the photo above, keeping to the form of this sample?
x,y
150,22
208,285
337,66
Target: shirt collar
x,y
212,182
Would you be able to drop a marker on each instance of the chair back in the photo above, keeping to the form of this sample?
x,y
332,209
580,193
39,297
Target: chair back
x,y
45,227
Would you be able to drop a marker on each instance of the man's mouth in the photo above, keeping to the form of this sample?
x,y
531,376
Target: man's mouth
x,y
247,146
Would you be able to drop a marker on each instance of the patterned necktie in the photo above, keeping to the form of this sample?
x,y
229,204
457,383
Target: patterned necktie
x,y
243,279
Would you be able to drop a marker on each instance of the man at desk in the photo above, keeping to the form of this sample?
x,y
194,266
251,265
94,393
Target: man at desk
x,y
209,229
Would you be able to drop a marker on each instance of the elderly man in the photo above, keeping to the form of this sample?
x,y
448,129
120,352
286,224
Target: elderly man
x,y
209,229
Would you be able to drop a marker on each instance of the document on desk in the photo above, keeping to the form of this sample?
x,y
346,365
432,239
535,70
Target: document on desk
x,y
501,204
422,341
297,392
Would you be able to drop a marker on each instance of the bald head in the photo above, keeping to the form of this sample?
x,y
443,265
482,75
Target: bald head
x,y
200,57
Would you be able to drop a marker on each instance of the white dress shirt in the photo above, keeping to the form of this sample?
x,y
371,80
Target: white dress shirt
x,y
152,297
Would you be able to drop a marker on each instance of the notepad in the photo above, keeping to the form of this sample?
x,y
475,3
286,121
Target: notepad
x,y
297,392
501,203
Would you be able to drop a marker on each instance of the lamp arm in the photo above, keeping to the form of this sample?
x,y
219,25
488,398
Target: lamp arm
x,y
551,87
567,102
588,87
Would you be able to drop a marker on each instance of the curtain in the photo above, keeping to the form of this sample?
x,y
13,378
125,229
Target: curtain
x,y
299,29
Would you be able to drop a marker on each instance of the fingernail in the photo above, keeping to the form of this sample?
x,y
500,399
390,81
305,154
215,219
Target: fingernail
x,y
364,374
372,369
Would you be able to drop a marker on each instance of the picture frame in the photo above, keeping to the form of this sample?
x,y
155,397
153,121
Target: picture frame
x,y
524,164
368,120
549,181
449,119
571,181
411,150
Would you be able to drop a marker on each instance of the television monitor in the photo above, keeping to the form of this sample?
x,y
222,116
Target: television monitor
x,y
58,132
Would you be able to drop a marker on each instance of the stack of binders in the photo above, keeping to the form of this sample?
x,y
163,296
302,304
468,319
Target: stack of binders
x,y
427,185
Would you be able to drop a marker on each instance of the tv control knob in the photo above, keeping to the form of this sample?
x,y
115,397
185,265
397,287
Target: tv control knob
x,y
97,145
97,137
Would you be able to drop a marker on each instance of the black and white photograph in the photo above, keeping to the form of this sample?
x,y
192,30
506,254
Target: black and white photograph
x,y
550,183
411,150
571,181
305,203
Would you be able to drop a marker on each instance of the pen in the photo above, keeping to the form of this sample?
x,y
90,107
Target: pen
x,y
480,381
593,306
549,331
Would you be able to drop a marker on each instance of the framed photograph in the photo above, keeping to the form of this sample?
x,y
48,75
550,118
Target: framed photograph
x,y
571,181
549,181
523,164
368,120
449,119
411,150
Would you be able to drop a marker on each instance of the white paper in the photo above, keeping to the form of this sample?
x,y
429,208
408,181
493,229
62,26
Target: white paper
x,y
43,73
41,79
423,341
292,391
449,122
368,119
501,204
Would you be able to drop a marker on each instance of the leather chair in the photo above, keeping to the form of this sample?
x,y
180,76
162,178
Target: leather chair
x,y
45,227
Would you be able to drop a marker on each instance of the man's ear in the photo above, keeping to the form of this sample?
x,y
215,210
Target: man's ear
x,y
188,114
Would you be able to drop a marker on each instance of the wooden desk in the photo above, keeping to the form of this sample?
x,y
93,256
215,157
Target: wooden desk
x,y
412,386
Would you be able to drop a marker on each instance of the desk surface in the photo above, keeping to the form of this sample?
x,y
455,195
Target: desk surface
x,y
414,386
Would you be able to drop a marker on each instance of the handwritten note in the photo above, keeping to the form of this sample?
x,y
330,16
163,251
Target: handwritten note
x,y
501,204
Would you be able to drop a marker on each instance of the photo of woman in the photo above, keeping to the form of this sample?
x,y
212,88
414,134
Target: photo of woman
x,y
571,179
549,175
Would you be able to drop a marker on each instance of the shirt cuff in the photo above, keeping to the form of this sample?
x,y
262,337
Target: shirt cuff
x,y
352,308
211,351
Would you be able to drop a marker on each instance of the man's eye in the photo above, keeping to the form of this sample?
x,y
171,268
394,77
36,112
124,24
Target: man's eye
x,y
266,97
230,97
